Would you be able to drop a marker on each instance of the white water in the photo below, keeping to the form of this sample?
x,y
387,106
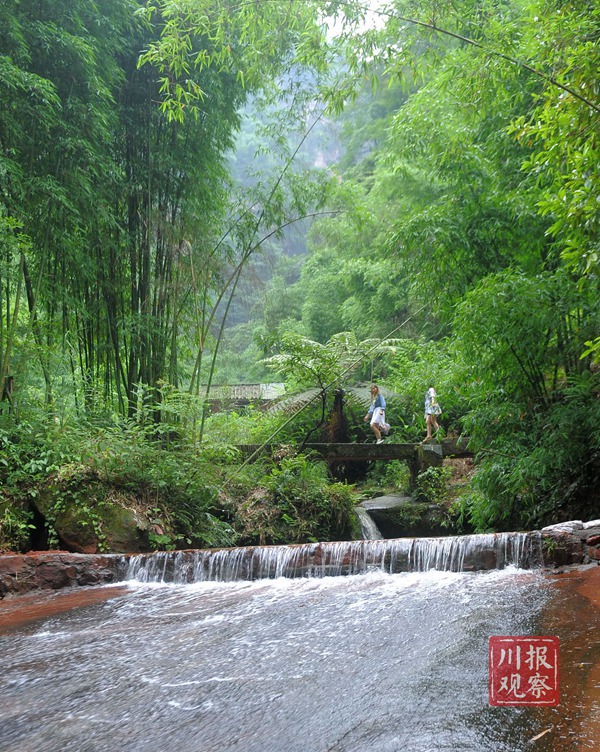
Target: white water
x,y
455,554
369,529
367,663
284,665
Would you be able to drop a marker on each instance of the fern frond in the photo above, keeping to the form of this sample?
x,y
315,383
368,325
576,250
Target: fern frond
x,y
295,401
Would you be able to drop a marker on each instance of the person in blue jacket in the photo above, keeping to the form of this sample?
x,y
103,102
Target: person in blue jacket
x,y
432,410
376,414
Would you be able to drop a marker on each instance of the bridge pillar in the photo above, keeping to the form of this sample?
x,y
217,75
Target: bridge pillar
x,y
426,455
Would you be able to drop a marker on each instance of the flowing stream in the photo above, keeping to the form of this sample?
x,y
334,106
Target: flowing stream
x,y
370,662
368,528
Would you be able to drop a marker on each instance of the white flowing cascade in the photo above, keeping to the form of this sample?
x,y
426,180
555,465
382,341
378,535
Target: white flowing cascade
x,y
452,554
368,528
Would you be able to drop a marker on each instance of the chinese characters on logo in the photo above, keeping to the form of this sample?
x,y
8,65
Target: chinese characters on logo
x,y
523,671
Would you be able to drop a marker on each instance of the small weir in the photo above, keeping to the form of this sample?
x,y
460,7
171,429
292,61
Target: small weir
x,y
452,554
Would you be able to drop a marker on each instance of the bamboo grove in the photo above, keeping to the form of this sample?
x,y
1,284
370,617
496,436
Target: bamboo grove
x,y
111,210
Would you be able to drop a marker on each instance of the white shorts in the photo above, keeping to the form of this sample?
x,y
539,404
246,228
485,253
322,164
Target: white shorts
x,y
378,416
378,419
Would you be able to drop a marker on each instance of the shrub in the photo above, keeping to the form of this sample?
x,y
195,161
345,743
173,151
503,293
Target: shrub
x,y
388,477
432,485
15,527
295,503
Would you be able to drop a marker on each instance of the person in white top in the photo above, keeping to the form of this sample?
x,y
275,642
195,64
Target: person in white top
x,y
432,410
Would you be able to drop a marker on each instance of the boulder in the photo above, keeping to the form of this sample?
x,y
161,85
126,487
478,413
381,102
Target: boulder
x,y
116,529
90,517
53,570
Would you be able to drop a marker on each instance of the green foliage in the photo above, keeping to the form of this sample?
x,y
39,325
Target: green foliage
x,y
525,334
27,454
593,349
239,360
76,498
113,212
537,467
346,282
306,363
245,41
320,373
296,503
467,218
78,474
15,527
387,478
432,485
566,113
184,486
417,365
531,410
226,429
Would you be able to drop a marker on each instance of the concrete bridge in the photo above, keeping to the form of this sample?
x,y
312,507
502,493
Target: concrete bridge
x,y
418,456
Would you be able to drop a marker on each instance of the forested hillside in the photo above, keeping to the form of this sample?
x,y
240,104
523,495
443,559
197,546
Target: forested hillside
x,y
317,192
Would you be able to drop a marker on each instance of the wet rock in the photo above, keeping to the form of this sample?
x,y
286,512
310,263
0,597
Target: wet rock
x,y
20,573
561,548
482,560
401,517
55,574
390,501
564,527
122,530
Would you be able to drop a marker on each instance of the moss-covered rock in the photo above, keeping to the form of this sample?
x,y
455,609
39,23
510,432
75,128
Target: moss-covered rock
x,y
418,520
86,515
408,519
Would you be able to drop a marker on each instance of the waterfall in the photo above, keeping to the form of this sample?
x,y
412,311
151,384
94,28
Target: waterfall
x,y
368,528
454,554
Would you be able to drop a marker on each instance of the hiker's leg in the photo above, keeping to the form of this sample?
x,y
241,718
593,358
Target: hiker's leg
x,y
375,423
429,420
